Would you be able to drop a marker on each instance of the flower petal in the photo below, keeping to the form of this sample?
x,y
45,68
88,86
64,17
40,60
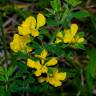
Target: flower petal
x,y
81,40
41,20
38,72
27,26
44,53
60,76
31,63
24,30
53,81
15,45
67,37
34,32
74,29
43,56
31,22
52,62
59,37
41,79
44,69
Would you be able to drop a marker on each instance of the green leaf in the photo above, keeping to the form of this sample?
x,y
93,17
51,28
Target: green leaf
x,y
56,5
10,70
80,14
43,31
22,55
73,3
81,34
66,17
52,23
38,51
50,71
34,45
54,49
79,45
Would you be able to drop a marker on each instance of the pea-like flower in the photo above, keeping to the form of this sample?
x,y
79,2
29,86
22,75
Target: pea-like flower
x,y
31,26
43,66
19,43
69,35
54,79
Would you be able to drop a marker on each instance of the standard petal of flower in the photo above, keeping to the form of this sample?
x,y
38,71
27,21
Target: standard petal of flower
x,y
15,45
31,22
24,30
52,62
74,29
27,26
67,37
41,20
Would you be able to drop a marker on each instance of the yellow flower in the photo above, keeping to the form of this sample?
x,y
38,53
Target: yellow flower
x,y
30,26
36,65
54,79
43,67
42,56
19,43
69,35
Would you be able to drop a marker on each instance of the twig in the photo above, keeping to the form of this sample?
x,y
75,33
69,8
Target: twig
x,y
88,2
82,78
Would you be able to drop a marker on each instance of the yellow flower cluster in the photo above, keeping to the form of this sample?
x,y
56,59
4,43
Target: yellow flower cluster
x,y
53,79
69,35
30,27
27,28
